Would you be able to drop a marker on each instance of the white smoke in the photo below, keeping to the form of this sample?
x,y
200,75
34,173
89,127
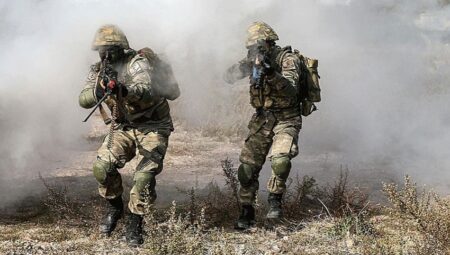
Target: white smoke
x,y
384,68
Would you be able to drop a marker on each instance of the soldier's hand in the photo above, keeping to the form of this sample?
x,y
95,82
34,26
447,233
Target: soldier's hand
x,y
111,85
100,90
264,63
269,71
104,86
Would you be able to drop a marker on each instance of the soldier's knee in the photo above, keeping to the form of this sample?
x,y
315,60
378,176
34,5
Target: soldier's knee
x,y
281,166
246,174
143,188
101,169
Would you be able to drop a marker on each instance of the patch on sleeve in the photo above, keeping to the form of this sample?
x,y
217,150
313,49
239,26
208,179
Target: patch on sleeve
x,y
135,68
288,63
139,65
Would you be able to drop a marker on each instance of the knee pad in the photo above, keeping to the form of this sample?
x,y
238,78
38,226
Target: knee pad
x,y
144,185
143,180
246,174
101,169
281,166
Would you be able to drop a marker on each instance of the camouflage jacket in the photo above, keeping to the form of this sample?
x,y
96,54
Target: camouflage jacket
x,y
141,108
280,91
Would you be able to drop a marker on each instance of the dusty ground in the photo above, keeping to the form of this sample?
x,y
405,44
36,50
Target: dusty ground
x,y
193,160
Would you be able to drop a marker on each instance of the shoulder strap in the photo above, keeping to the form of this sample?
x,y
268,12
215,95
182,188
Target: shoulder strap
x,y
283,51
130,53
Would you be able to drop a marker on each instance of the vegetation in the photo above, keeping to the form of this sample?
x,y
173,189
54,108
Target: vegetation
x,y
332,219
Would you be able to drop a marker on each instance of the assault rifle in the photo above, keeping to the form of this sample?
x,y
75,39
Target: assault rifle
x,y
106,75
261,64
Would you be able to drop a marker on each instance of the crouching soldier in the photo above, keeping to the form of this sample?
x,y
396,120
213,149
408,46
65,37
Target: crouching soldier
x,y
128,83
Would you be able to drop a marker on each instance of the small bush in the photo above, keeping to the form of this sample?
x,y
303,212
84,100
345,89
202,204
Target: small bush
x,y
220,205
180,234
430,213
231,179
62,207
342,199
58,201
302,198
305,199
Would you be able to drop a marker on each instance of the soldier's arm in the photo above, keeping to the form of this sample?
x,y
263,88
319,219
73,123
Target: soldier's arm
x,y
87,98
288,79
238,71
139,87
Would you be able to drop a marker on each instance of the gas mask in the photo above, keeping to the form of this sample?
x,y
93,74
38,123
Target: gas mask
x,y
112,53
261,48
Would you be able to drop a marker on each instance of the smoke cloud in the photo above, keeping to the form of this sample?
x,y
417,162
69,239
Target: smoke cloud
x,y
384,69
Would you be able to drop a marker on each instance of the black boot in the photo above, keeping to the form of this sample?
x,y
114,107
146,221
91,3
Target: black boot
x,y
134,230
247,217
275,211
113,214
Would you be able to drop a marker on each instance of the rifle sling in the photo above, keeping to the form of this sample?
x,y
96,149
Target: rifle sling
x,y
105,117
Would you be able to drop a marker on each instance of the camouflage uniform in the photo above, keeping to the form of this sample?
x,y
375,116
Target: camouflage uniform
x,y
143,126
277,121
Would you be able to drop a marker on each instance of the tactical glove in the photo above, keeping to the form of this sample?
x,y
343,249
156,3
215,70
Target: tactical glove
x,y
116,88
113,86
261,70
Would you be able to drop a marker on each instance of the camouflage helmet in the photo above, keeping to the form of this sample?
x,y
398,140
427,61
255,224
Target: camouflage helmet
x,y
260,31
110,35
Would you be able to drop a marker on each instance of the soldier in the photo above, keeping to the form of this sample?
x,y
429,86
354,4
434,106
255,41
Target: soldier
x,y
140,123
274,79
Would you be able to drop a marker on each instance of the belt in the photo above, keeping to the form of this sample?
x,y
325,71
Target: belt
x,y
280,114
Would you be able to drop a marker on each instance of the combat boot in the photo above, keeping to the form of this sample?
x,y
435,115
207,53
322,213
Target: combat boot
x,y
113,214
247,217
134,230
275,211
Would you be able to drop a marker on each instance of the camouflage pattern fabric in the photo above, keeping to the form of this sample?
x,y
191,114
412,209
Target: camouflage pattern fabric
x,y
109,35
266,132
276,124
260,31
152,147
143,127
280,91
141,107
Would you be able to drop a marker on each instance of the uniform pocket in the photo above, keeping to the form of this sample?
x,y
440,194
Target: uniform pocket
x,y
282,144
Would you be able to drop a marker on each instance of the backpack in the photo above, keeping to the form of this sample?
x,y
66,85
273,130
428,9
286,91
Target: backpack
x,y
308,87
163,80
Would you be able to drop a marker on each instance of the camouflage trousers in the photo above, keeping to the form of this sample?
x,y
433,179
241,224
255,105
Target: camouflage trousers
x,y
151,146
265,132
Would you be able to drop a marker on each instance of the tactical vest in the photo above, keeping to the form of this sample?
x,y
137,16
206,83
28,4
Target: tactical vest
x,y
270,98
151,109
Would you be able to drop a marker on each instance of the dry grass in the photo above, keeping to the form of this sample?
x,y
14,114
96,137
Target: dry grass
x,y
333,219
427,213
